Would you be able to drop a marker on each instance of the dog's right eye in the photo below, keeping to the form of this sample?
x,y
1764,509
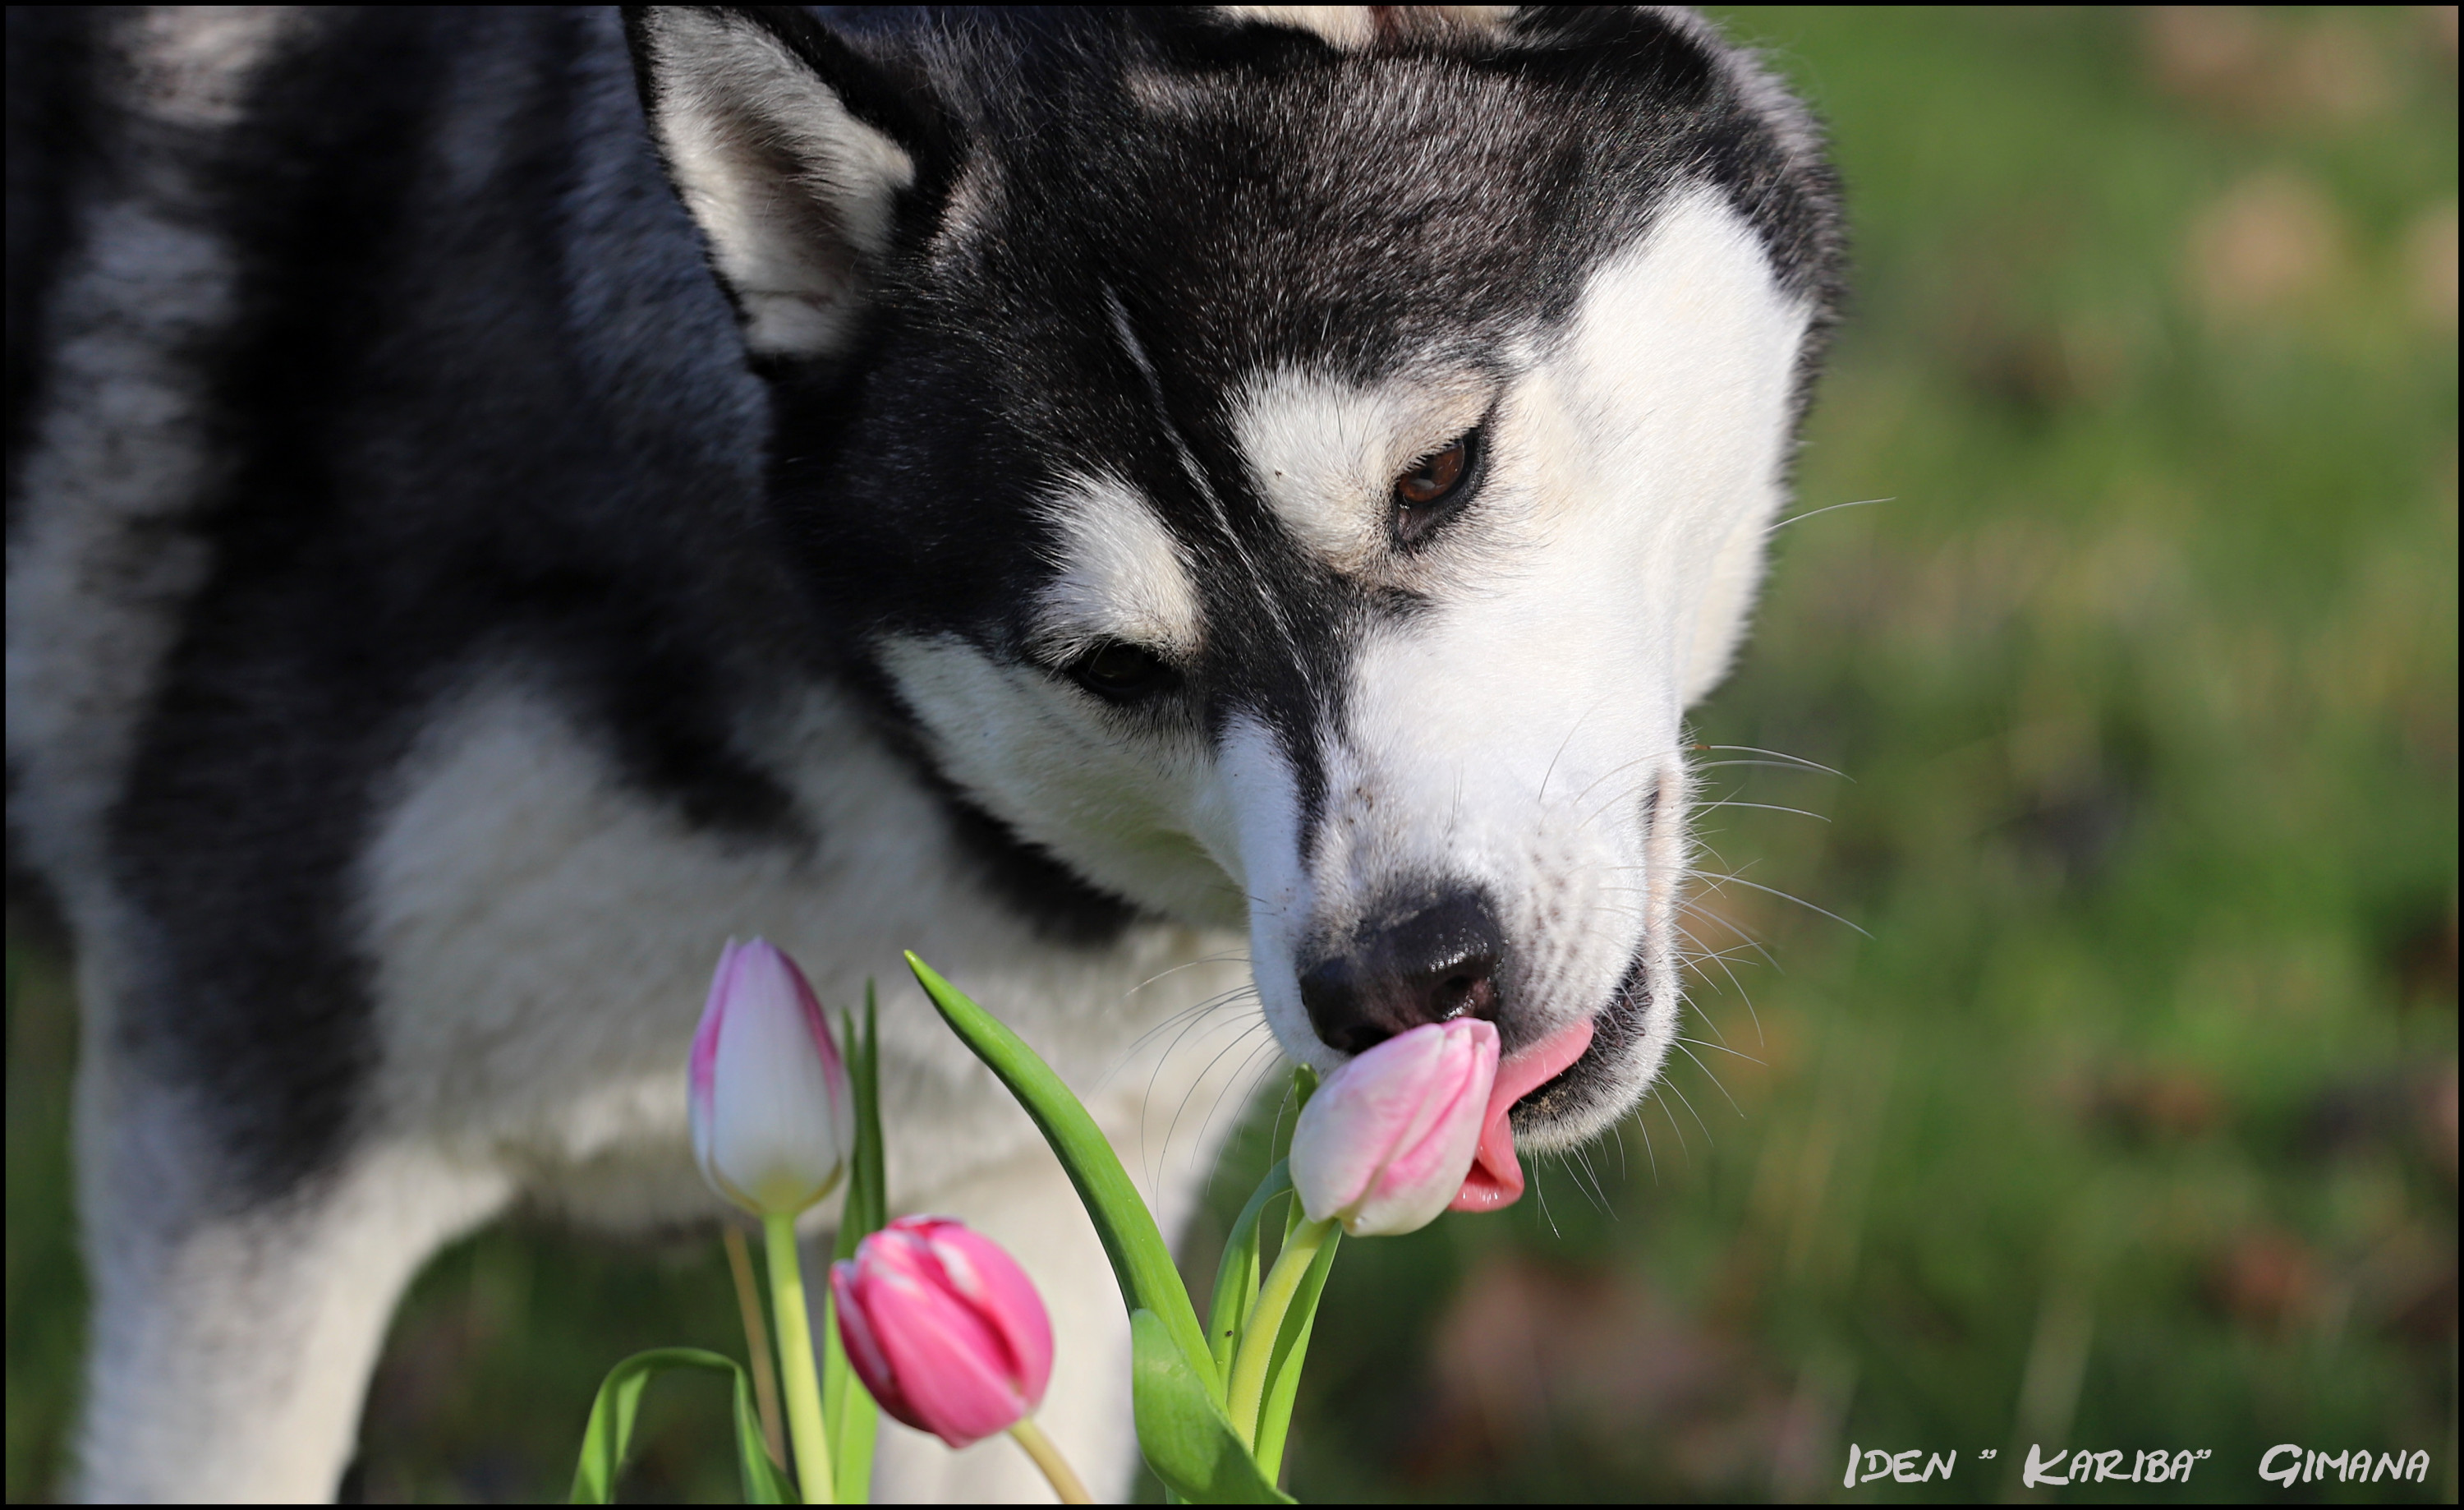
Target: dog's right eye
x,y
1435,487
1119,672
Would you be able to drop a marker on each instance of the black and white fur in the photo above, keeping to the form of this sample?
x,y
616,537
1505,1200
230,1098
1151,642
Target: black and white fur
x,y
475,542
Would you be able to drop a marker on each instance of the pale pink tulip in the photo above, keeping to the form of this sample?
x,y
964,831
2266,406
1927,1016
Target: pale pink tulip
x,y
1383,1145
773,1114
945,1328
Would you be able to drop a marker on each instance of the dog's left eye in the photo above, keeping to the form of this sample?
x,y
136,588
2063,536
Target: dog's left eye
x,y
1119,672
1424,494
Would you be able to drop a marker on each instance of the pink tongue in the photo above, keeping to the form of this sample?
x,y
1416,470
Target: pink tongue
x,y
1496,1179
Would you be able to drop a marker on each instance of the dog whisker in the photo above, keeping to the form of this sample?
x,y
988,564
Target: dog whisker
x,y
1785,897
1732,979
1239,957
1779,524
1243,1085
1152,1164
1183,1019
1191,1094
1659,1092
1775,765
1744,940
1715,1084
1722,1047
1688,1102
1782,755
1767,807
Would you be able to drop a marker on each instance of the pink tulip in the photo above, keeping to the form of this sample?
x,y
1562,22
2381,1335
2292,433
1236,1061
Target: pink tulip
x,y
773,1114
945,1328
1384,1144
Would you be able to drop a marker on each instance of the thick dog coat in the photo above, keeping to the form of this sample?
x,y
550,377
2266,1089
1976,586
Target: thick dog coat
x,y
1178,518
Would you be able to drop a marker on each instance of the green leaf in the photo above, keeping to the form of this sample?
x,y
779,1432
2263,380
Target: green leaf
x,y
610,1431
1140,1260
1236,1278
1275,1420
873,1150
1291,1351
850,1417
1182,1429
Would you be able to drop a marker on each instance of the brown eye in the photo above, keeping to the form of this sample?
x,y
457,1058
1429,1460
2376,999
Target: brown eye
x,y
1433,477
1436,480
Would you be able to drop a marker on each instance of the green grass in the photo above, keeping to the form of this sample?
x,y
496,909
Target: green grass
x,y
2132,1122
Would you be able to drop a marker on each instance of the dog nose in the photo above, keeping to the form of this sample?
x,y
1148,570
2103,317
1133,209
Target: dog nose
x,y
1437,963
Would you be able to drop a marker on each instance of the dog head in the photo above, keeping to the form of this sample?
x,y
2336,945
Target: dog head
x,y
1292,466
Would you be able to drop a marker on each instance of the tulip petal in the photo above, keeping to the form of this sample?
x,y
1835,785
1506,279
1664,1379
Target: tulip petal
x,y
779,1112
864,1349
1351,1127
1384,1143
949,1362
702,1065
1000,1291
1423,1176
945,1328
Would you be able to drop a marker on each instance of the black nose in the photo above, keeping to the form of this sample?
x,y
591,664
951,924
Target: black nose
x,y
1435,963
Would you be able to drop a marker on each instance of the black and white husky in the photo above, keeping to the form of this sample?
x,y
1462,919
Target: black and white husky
x,y
501,500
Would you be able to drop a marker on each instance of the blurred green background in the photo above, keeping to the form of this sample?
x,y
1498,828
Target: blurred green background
x,y
2133,1124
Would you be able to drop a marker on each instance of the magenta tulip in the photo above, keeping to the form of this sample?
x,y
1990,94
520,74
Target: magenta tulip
x,y
773,1114
943,1328
1384,1144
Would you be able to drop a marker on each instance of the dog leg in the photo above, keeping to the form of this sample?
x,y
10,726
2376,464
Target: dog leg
x,y
230,1348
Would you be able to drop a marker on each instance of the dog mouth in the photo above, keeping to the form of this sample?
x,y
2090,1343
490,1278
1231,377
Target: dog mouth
x,y
1610,1030
1543,1082
1496,1177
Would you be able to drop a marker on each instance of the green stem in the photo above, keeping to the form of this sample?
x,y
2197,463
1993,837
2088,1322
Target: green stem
x,y
756,1345
803,1386
1065,1479
1275,1411
1236,1277
1266,1321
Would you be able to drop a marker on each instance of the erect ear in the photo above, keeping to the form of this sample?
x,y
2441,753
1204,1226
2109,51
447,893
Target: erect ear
x,y
790,150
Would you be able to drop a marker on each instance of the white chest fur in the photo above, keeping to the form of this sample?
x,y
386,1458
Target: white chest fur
x,y
544,935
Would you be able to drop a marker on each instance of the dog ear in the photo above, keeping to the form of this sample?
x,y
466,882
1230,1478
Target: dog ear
x,y
792,152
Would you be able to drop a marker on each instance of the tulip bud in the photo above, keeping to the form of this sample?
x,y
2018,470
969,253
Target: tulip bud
x,y
945,1328
1384,1144
773,1114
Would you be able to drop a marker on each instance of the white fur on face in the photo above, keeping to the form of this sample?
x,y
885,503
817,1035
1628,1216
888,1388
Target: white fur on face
x,y
1511,735
1355,26
1114,797
1121,577
1112,800
1327,455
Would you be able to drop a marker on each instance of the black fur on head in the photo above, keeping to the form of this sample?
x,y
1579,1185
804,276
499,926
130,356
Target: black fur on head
x,y
1238,196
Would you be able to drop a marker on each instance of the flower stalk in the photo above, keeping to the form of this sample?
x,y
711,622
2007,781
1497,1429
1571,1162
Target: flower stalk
x,y
803,1385
1056,1468
756,1344
1265,1323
